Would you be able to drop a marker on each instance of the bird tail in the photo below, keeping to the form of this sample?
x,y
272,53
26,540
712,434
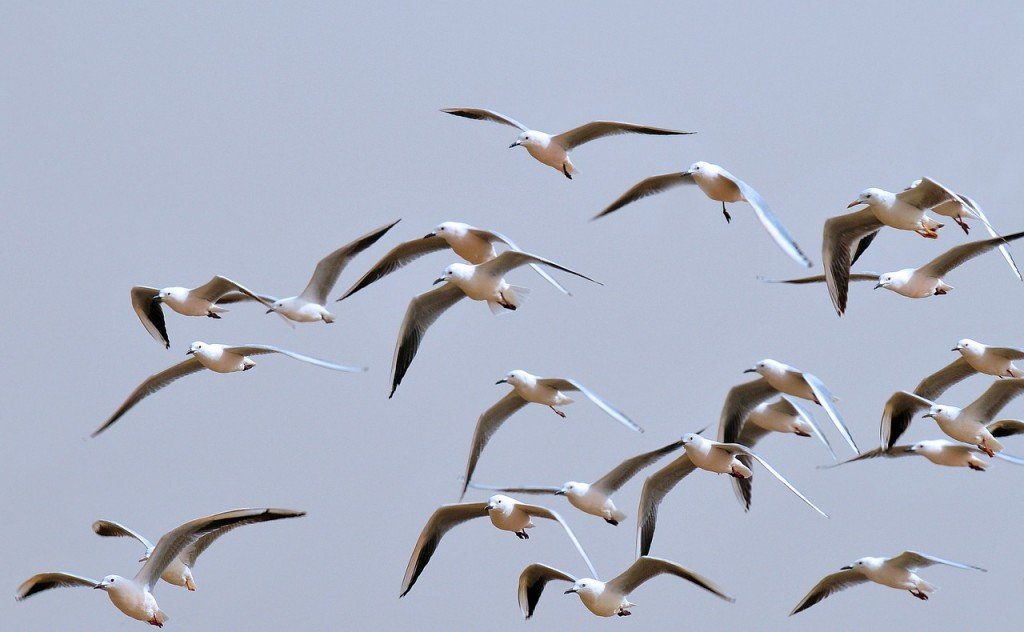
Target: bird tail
x,y
925,587
618,515
515,295
994,444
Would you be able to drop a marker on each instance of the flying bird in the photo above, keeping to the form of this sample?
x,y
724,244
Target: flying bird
x,y
606,599
310,305
505,513
527,388
938,451
898,572
134,597
219,359
179,570
594,498
971,424
205,300
713,456
481,282
721,186
553,151
845,237
475,245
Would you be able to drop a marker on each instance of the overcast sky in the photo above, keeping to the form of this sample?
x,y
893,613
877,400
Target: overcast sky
x,y
160,144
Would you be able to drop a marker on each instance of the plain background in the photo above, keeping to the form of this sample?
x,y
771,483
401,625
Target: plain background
x,y
159,144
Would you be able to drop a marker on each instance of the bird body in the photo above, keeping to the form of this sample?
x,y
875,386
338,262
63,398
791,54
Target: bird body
x,y
963,426
593,500
892,211
187,303
600,599
218,358
466,243
542,147
784,379
769,417
133,600
529,388
911,283
997,361
942,452
707,456
480,285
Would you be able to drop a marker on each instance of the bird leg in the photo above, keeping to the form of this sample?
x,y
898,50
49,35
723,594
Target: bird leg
x,y
156,622
801,433
919,594
213,315
728,218
987,450
963,225
566,171
623,613
557,412
612,521
522,535
504,302
735,474
940,292
927,233
976,468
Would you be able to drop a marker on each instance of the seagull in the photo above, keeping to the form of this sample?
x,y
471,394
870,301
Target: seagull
x,y
713,456
507,514
179,570
938,451
134,597
475,245
856,230
527,388
975,357
606,599
217,358
595,498
780,416
309,306
553,151
896,572
972,424
777,377
481,282
205,300
721,186
927,280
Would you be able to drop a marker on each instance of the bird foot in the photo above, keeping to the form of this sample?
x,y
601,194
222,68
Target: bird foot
x,y
736,474
728,218
156,622
963,225
522,535
612,521
801,433
557,412
565,170
987,450
623,613
919,594
976,468
213,315
940,292
927,233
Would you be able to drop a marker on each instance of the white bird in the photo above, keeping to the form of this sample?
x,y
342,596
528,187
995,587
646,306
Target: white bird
x,y
481,282
475,245
594,498
898,572
205,300
606,599
780,416
938,451
975,357
855,231
927,280
527,388
179,571
310,305
721,186
553,150
971,424
134,597
216,357
776,378
505,513
713,456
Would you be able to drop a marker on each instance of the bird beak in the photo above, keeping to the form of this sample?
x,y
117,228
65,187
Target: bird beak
x,y
560,492
955,349
190,352
436,281
270,310
854,203
569,592
489,507
515,144
99,585
750,371
879,285
429,235
846,568
502,381
157,299
928,416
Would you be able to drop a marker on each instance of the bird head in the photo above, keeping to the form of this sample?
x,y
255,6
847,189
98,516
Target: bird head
x,y
586,586
573,488
867,196
500,502
885,280
195,347
966,344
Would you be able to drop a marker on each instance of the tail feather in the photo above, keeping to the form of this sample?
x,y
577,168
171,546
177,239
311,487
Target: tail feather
x,y
515,295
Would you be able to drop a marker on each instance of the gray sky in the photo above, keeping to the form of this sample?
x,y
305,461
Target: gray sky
x,y
160,144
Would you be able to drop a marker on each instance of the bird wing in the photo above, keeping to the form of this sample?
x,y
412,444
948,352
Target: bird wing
x,y
599,129
750,434
486,426
151,385
531,584
899,411
562,384
827,401
150,313
912,560
646,187
537,511
770,221
252,349
191,553
423,310
994,399
439,523
46,581
217,287
485,115
937,383
1006,427
177,539
737,449
786,407
820,278
828,585
976,209
862,245
626,470
112,529
493,236
327,269
655,488
511,259
840,234
894,452
397,257
1008,353
926,193
644,568
521,489
957,255
739,401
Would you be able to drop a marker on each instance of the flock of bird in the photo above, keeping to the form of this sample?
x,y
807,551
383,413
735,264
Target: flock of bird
x,y
767,404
